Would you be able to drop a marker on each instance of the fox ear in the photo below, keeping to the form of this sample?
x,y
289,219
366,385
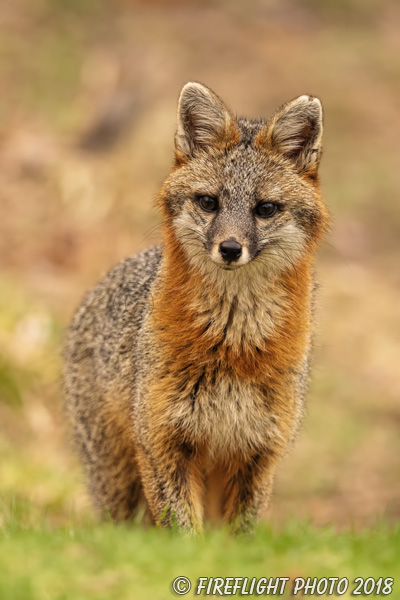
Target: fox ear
x,y
203,120
295,131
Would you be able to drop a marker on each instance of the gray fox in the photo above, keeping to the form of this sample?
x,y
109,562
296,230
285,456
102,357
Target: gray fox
x,y
186,366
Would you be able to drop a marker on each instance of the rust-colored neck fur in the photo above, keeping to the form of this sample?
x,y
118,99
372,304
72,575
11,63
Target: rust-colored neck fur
x,y
182,325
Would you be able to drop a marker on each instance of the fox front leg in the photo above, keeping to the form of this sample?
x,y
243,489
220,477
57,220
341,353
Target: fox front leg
x,y
173,485
247,491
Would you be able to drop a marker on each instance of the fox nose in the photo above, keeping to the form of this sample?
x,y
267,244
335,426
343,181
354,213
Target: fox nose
x,y
230,250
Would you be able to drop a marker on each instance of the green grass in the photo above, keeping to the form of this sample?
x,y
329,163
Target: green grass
x,y
81,560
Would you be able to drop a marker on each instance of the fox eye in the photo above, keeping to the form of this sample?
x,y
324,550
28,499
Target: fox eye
x,y
208,203
266,209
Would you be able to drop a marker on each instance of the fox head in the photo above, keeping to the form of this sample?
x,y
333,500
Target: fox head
x,y
245,193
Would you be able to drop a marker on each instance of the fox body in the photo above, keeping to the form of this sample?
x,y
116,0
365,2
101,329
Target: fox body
x,y
186,367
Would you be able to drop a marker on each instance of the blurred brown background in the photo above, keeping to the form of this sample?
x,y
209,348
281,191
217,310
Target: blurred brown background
x,y
88,92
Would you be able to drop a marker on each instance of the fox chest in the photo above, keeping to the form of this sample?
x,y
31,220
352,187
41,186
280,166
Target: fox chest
x,y
229,418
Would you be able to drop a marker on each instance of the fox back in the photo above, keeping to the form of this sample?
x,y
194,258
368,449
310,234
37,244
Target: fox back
x,y
186,367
